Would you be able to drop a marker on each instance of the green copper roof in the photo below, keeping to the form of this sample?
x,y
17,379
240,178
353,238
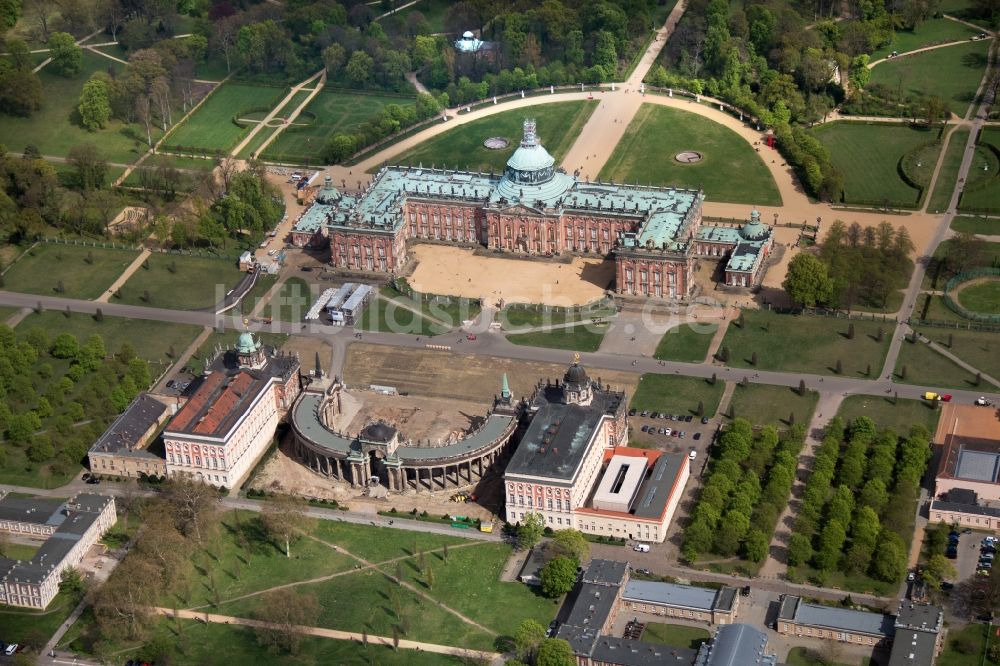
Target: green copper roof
x,y
246,344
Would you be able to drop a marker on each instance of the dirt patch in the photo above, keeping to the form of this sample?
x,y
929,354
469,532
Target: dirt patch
x,y
415,417
450,376
455,271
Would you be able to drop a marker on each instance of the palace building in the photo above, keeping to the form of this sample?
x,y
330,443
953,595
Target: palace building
x,y
230,418
654,233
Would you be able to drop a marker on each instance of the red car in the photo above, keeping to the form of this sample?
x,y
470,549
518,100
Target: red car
x,y
946,397
472,336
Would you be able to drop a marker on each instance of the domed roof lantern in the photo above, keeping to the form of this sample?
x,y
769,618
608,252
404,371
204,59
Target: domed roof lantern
x,y
575,374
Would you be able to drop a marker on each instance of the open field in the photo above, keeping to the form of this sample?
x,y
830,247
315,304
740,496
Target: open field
x,y
460,148
953,74
152,340
515,317
55,128
211,127
676,395
804,343
931,31
675,635
947,177
925,367
973,634
32,627
290,302
455,271
180,282
432,10
657,133
869,155
329,113
801,656
387,316
987,226
584,338
451,311
887,412
686,343
469,581
191,643
763,404
443,374
984,196
83,272
367,601
976,348
982,296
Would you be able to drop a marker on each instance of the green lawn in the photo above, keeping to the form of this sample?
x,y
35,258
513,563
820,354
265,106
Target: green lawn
x,y
152,340
516,317
887,412
450,310
982,297
839,580
259,289
35,627
327,114
869,156
191,643
433,10
801,656
954,653
84,272
925,367
805,343
379,544
386,316
686,342
180,282
368,601
951,73
676,394
764,404
211,127
469,582
675,635
974,347
55,128
19,551
948,176
558,126
290,302
987,226
984,186
585,338
254,145
657,133
931,31
229,570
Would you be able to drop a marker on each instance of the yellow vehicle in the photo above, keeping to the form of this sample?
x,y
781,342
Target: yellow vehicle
x,y
930,395
486,526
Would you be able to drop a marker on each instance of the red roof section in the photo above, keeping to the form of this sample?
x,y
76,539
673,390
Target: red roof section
x,y
213,403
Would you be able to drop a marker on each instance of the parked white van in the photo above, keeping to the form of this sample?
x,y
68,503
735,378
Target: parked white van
x,y
641,548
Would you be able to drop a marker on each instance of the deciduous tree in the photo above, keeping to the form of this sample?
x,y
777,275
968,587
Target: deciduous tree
x,y
558,576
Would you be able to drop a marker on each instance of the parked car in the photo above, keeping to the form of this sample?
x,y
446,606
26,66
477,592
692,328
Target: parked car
x,y
644,428
692,454
10,649
704,420
631,412
641,547
654,415
910,577
551,631
644,413
745,591
696,436
688,418
667,431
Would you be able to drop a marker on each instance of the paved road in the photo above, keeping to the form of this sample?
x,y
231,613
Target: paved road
x,y
494,344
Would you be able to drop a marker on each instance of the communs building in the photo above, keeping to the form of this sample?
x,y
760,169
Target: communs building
x,y
69,528
915,633
232,414
602,593
122,450
654,234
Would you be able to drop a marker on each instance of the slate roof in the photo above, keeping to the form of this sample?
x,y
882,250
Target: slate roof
x,y
124,436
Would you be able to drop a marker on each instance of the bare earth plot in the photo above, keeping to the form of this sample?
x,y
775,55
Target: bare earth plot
x,y
455,271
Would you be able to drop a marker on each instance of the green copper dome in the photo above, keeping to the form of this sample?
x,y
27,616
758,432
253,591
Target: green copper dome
x,y
246,344
530,163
